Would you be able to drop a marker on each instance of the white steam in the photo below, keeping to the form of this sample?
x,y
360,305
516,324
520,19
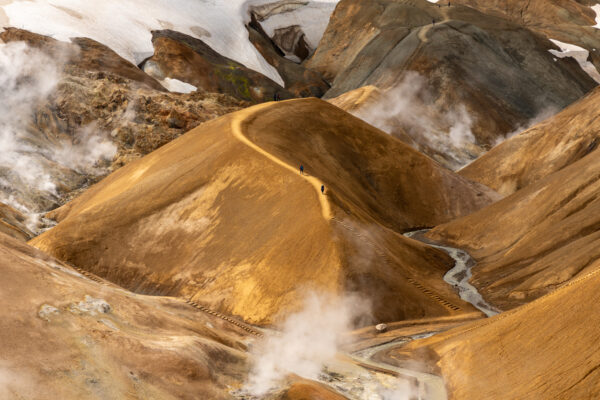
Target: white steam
x,y
306,341
33,164
410,107
541,116
403,390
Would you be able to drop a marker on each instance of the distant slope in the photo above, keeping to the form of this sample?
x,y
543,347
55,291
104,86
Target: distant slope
x,y
544,350
541,150
67,337
499,70
570,21
536,239
223,215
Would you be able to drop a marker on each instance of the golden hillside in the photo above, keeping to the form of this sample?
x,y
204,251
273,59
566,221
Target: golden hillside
x,y
223,215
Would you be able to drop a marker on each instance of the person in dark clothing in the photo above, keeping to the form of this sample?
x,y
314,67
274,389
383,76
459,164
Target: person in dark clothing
x,y
301,169
322,189
433,22
275,95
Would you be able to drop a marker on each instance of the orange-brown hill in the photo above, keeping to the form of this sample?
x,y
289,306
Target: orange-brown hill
x,y
541,150
64,336
223,215
536,239
543,350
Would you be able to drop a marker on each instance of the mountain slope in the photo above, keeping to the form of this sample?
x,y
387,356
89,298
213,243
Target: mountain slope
x,y
222,215
536,239
544,350
483,70
65,336
541,150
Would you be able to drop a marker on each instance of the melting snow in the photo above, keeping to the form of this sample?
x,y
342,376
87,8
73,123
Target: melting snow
x,y
125,26
579,54
596,8
177,86
312,19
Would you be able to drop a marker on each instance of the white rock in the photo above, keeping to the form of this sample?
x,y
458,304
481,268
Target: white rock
x,y
46,311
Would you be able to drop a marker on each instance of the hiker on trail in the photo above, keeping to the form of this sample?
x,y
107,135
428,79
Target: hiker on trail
x,y
301,169
322,189
433,22
275,96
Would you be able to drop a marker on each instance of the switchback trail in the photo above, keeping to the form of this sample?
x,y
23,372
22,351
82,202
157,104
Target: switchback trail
x,y
237,127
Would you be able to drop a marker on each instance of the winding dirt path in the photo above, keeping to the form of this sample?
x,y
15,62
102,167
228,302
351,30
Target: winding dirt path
x,y
237,127
426,28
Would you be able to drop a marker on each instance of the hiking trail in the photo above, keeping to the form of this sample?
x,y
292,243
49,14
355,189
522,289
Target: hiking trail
x,y
237,128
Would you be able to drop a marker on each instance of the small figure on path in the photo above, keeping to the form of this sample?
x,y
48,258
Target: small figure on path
x,y
433,22
322,189
301,169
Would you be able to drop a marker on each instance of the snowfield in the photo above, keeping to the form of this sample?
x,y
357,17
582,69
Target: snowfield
x,y
579,54
125,26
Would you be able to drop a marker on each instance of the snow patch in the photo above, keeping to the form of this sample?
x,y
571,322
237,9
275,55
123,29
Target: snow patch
x,y
596,9
579,54
177,86
125,26
312,18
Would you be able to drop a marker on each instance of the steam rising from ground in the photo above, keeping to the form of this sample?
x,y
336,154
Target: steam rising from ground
x,y
33,163
306,341
542,115
410,107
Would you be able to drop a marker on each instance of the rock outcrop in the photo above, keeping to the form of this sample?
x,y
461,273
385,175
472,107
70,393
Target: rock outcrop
x,y
299,80
190,60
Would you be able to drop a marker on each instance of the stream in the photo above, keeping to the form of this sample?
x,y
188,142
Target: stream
x,y
459,276
360,377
